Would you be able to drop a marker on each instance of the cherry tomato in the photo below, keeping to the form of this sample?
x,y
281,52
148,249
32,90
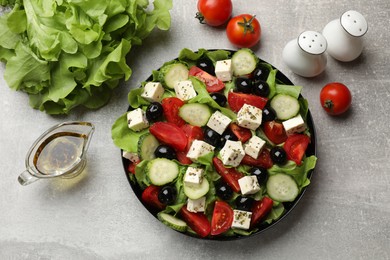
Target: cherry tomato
x,y
150,197
171,106
237,100
229,175
243,31
222,218
335,98
198,222
213,84
260,209
275,132
170,134
264,160
295,147
243,134
214,12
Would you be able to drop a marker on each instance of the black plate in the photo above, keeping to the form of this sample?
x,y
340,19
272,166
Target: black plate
x,y
289,206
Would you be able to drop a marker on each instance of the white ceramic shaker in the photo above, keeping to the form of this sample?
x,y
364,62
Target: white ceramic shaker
x,y
344,36
305,55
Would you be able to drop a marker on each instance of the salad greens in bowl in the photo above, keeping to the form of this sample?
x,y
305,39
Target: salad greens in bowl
x,y
217,144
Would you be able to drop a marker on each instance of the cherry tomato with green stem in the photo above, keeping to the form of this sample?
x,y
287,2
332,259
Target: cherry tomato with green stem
x,y
335,98
244,31
214,12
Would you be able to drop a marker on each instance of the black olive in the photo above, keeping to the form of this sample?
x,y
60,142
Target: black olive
x,y
167,195
219,98
206,65
261,73
260,173
224,191
278,155
243,85
154,111
244,203
268,114
261,88
165,151
213,138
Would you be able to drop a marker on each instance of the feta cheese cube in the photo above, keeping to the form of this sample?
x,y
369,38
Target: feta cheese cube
x,y
249,185
153,91
197,205
294,125
218,122
185,90
241,219
232,153
254,146
136,120
224,70
249,117
193,175
199,148
133,157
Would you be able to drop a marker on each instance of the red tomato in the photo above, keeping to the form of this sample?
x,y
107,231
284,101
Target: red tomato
x,y
131,167
243,134
169,134
196,221
237,100
193,133
213,84
222,218
295,147
275,132
243,31
229,175
171,106
150,197
214,12
264,160
260,209
182,158
335,98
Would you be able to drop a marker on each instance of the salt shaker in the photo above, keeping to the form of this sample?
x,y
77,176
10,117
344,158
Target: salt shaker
x,y
344,36
305,55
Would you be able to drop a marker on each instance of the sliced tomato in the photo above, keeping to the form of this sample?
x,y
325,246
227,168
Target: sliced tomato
x,y
182,158
275,132
171,106
260,209
150,197
222,218
213,84
264,160
295,147
229,175
169,134
198,222
193,133
131,167
237,100
243,134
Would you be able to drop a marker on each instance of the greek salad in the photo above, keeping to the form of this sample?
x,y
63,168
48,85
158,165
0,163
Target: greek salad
x,y
216,144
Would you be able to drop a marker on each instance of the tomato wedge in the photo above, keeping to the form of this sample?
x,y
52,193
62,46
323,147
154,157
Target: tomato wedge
x,y
171,106
131,167
275,132
260,209
295,147
222,218
243,134
193,133
150,197
229,175
182,158
169,134
198,222
237,100
264,160
213,84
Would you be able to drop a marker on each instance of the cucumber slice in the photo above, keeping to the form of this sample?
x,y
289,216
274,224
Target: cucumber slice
x,y
285,106
282,187
162,171
147,144
194,191
244,62
173,222
197,114
174,73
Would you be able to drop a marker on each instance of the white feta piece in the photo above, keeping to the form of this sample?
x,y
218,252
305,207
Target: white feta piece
x,y
254,146
218,122
185,90
294,125
224,70
153,91
198,205
136,120
133,157
241,219
249,185
199,148
232,153
193,176
249,117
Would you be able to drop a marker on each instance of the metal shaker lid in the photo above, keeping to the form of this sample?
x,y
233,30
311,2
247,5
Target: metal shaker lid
x,y
354,23
312,42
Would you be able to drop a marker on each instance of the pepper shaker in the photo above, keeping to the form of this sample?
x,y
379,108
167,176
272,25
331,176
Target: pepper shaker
x,y
305,55
344,36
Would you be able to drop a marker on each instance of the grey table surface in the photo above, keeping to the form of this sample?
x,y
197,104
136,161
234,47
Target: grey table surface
x,y
345,213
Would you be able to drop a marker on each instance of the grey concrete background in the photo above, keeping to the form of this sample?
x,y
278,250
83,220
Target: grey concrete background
x,y
345,213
